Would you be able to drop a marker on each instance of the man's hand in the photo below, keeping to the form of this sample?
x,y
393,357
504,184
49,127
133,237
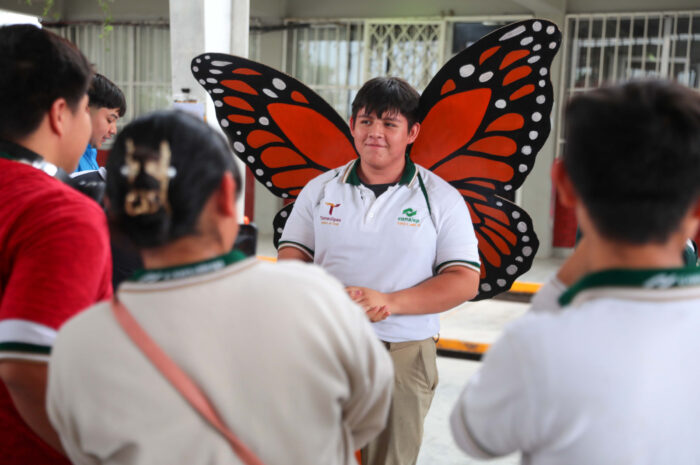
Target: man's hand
x,y
377,305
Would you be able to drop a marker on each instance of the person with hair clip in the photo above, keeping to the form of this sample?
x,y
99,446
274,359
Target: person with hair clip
x,y
318,389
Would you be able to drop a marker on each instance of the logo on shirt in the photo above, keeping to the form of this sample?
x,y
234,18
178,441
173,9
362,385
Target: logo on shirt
x,y
331,207
406,218
330,219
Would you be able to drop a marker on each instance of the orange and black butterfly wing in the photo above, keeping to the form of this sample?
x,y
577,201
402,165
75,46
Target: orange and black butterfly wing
x,y
285,132
484,117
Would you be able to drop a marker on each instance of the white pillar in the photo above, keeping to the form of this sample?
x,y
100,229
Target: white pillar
x,y
200,26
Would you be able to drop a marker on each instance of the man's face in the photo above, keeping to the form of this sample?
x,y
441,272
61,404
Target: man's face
x,y
77,133
104,125
381,140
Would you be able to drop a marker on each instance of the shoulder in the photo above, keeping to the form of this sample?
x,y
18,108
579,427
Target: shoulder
x,y
328,176
79,333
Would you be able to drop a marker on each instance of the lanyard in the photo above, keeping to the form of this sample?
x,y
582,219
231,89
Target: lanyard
x,y
188,270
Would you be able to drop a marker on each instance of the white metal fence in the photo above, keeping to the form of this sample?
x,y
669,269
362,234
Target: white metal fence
x,y
608,48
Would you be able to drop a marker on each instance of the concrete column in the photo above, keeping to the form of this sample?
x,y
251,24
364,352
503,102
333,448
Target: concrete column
x,y
199,26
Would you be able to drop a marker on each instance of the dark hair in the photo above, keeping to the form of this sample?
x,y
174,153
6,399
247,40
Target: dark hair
x,y
382,95
103,93
196,158
37,67
633,155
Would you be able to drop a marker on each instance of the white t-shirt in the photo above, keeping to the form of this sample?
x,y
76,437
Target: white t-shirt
x,y
287,359
612,378
408,234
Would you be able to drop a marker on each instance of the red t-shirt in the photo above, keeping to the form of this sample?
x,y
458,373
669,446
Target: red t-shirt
x,y
54,262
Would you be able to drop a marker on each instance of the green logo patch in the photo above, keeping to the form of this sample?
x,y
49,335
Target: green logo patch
x,y
409,212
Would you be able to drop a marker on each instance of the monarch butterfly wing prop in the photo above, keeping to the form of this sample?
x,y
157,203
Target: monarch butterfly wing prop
x,y
279,221
286,133
484,117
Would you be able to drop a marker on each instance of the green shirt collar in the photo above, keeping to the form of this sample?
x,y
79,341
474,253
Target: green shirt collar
x,y
659,278
409,173
188,270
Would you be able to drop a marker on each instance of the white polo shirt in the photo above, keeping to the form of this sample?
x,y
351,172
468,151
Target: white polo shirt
x,y
611,378
408,234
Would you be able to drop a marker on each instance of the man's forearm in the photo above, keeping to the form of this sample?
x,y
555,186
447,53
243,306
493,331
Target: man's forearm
x,y
455,285
26,383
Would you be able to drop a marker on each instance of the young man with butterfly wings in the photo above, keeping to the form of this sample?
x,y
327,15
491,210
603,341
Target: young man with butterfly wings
x,y
380,224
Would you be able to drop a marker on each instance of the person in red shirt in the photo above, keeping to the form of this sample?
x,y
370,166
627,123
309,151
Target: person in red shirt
x,y
54,245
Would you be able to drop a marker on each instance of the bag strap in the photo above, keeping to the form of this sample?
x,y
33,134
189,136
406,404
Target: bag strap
x,y
179,380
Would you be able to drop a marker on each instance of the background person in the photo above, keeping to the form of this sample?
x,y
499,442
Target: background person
x,y
589,384
316,389
107,105
401,239
48,271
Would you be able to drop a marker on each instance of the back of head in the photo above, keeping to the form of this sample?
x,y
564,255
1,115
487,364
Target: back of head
x,y
633,155
38,67
161,171
103,93
382,95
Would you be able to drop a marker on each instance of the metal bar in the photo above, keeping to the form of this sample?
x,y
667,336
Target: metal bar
x,y
617,49
601,59
687,52
629,49
643,64
587,81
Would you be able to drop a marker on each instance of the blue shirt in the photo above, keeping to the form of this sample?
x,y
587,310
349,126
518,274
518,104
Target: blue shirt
x,y
89,160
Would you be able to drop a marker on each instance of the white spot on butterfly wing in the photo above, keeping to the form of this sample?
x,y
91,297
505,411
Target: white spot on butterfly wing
x,y
218,91
515,215
218,103
522,168
525,238
533,59
501,282
486,76
268,184
532,135
526,40
202,81
540,99
264,121
466,70
536,116
279,84
507,187
251,159
522,226
195,68
198,60
283,214
224,123
212,81
269,93
514,33
527,251
550,29
526,150
239,147
215,71
543,71
537,47
552,45
486,287
537,26
259,172
285,195
500,104
220,63
512,269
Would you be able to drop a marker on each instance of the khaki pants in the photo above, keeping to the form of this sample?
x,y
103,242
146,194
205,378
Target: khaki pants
x,y
415,379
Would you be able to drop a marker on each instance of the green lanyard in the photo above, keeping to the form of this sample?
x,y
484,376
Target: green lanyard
x,y
188,270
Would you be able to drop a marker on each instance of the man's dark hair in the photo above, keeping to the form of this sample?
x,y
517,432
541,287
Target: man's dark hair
x,y
382,95
633,155
103,93
37,67
199,157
